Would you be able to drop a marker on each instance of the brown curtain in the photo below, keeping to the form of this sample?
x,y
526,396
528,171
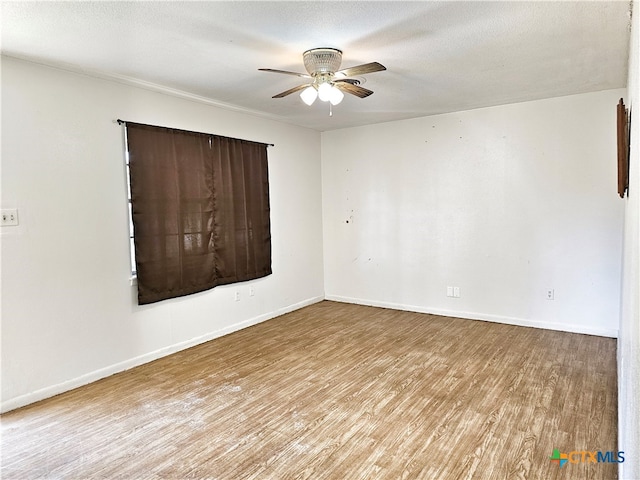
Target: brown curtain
x,y
200,208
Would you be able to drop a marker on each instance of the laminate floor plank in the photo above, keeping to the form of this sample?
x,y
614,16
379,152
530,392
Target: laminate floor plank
x,y
336,391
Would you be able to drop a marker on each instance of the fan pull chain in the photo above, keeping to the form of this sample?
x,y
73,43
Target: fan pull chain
x,y
330,110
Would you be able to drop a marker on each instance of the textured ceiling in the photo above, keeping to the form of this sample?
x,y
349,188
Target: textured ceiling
x,y
440,56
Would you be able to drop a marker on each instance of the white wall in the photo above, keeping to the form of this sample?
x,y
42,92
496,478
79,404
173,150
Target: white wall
x,y
629,338
503,202
69,314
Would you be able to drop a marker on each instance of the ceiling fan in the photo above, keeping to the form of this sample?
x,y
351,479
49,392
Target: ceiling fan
x,y
326,82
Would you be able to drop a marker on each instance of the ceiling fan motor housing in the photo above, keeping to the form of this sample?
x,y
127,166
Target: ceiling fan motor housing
x,y
322,61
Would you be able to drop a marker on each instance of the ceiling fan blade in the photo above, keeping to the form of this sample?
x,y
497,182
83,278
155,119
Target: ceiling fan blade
x,y
362,69
303,75
352,81
353,89
290,91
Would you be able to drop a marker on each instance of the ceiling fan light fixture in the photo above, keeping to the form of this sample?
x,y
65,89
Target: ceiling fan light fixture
x,y
335,96
322,60
309,95
325,79
324,92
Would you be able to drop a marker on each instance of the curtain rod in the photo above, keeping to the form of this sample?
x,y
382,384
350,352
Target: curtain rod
x,y
120,122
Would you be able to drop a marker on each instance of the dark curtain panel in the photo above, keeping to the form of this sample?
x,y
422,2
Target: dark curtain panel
x,y
200,208
243,230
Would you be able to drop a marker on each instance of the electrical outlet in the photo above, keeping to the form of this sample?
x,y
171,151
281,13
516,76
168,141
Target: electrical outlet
x,y
252,291
456,292
550,294
10,217
237,296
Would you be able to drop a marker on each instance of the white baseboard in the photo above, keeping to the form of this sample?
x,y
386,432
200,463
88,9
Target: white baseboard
x,y
91,377
521,322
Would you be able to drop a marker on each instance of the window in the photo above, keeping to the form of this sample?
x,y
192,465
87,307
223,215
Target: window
x,y
132,249
199,209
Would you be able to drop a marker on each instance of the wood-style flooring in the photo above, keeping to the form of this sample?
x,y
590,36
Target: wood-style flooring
x,y
336,391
